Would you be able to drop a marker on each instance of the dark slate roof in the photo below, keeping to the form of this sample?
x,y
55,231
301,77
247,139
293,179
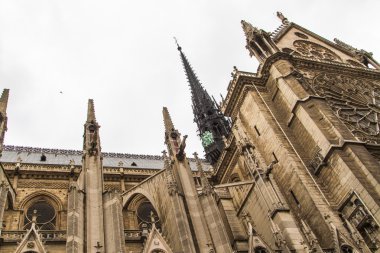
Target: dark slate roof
x,y
33,155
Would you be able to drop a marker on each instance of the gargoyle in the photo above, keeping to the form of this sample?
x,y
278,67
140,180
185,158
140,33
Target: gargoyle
x,y
181,151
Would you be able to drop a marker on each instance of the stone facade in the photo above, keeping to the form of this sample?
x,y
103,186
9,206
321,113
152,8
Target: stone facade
x,y
298,171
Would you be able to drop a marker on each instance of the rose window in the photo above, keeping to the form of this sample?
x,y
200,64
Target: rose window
x,y
315,51
356,102
46,215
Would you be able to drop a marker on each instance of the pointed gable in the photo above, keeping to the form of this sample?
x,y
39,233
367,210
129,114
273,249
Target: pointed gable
x,y
156,243
297,40
31,242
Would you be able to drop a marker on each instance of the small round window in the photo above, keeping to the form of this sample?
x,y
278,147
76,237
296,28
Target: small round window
x,y
46,215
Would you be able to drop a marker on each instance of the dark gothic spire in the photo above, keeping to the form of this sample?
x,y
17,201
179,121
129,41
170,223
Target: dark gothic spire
x,y
212,125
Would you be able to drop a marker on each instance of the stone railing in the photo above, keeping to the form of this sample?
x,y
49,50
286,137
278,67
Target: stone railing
x,y
132,235
45,235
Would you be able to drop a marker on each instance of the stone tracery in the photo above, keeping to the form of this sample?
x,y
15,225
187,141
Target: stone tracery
x,y
315,51
356,102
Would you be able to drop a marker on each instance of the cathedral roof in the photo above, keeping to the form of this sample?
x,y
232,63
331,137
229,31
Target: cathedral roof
x,y
32,155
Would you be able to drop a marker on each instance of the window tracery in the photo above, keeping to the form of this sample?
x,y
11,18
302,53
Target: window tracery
x,y
315,51
346,249
356,102
46,214
260,250
146,214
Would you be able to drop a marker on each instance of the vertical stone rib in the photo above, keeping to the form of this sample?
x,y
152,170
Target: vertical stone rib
x,y
75,220
3,116
113,223
3,199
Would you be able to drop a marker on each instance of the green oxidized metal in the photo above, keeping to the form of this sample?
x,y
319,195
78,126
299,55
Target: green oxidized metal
x,y
207,138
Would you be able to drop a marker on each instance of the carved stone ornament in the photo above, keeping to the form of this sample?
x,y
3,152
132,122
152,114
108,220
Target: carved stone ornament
x,y
30,245
356,102
315,51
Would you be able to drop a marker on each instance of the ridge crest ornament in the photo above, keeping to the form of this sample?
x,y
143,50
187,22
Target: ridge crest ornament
x,y
315,51
355,101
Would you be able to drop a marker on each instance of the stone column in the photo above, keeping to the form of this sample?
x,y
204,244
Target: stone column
x,y
3,200
213,218
178,207
92,168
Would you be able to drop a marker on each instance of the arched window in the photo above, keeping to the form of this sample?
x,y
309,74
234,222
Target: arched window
x,y
260,250
157,251
144,211
46,214
346,249
234,178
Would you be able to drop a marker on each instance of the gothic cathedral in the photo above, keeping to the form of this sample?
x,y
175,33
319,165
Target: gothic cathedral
x,y
292,165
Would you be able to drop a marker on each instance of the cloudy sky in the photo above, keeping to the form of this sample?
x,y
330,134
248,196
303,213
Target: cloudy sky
x,y
122,54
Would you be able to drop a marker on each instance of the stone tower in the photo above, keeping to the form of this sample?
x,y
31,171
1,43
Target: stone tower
x,y
306,126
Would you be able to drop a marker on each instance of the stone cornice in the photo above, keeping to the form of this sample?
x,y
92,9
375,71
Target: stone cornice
x,y
328,66
242,81
80,153
285,28
225,159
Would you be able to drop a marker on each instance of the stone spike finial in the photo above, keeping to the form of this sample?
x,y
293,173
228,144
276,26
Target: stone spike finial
x,y
248,28
91,111
199,164
4,100
166,159
34,217
167,120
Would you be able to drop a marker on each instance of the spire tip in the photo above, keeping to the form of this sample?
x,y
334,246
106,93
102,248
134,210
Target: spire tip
x,y
169,126
4,100
91,111
178,46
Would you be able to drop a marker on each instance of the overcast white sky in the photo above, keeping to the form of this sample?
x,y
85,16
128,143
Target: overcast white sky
x,y
122,54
